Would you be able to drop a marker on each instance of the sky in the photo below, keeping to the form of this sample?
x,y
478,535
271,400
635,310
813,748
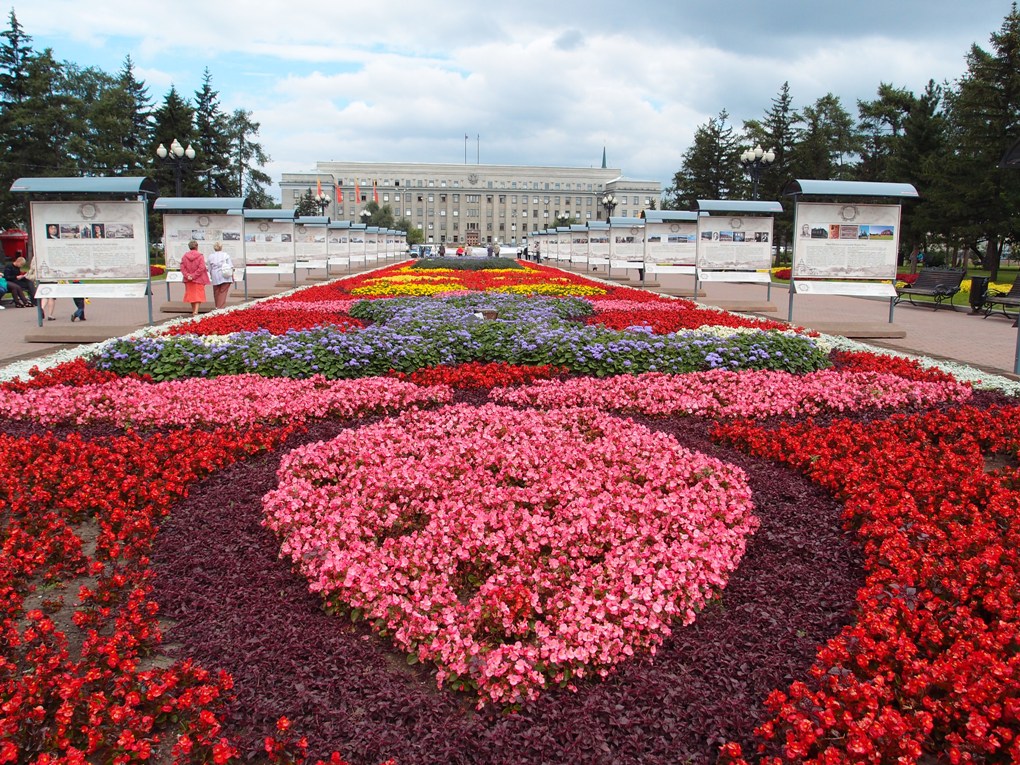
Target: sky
x,y
529,82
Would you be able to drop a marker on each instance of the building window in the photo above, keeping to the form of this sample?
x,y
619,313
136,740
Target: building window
x,y
456,197
502,199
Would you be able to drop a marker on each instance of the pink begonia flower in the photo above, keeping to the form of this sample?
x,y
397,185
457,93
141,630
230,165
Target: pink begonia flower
x,y
725,393
513,549
230,399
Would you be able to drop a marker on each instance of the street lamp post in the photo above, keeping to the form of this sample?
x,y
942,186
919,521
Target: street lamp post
x,y
323,201
563,219
366,216
754,161
609,202
176,156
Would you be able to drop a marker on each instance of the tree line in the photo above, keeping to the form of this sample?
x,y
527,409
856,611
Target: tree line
x,y
948,141
61,119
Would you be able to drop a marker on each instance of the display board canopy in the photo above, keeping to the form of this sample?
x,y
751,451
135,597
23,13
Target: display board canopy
x,y
207,204
621,221
312,220
670,216
596,225
579,227
752,206
359,226
110,186
340,224
281,215
850,189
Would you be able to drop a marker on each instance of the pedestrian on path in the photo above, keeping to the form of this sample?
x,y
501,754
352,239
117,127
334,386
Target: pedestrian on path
x,y
221,274
196,276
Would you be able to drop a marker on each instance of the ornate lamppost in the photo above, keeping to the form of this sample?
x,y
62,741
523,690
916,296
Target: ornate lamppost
x,y
176,156
609,203
563,219
366,216
323,201
754,161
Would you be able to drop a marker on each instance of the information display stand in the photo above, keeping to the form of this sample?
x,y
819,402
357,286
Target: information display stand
x,y
846,238
205,220
735,241
98,231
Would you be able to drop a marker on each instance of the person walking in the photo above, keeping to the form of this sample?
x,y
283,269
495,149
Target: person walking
x,y
79,309
196,276
221,274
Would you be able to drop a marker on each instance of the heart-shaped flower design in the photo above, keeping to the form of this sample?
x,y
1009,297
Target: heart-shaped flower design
x,y
513,549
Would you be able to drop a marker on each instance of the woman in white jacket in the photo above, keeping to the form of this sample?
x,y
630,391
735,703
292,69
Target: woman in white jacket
x,y
221,273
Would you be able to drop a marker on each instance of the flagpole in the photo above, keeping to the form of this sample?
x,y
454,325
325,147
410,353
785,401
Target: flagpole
x,y
465,147
478,150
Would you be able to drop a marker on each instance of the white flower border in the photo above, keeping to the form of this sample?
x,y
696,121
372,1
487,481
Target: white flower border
x,y
979,379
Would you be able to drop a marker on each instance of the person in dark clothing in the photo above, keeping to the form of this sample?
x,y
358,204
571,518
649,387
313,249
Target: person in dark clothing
x,y
21,288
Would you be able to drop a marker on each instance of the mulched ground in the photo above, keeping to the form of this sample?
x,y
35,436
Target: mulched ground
x,y
235,606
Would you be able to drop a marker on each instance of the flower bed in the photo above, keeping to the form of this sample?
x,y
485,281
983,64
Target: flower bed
x,y
535,548
483,530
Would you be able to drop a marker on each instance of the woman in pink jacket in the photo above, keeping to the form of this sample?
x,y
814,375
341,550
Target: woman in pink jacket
x,y
196,276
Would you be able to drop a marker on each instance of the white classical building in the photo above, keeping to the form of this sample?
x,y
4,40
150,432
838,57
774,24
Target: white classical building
x,y
474,203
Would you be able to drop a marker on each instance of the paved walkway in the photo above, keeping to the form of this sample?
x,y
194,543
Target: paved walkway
x,y
988,344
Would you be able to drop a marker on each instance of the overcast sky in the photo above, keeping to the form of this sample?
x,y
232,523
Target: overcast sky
x,y
536,83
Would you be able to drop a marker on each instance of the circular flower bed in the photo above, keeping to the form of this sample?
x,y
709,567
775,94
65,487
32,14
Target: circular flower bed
x,y
514,549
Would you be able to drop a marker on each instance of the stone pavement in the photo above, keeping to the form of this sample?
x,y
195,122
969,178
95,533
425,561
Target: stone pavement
x,y
987,344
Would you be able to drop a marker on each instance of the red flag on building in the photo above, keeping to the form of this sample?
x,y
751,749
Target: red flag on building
x,y
318,188
375,193
357,193
339,195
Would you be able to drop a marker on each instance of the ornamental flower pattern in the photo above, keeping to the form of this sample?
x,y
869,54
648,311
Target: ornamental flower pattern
x,y
927,671
515,550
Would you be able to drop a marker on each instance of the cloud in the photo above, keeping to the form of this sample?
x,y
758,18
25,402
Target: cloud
x,y
540,84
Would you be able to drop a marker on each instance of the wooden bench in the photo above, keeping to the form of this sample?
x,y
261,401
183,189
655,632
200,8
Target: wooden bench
x,y
1003,300
940,284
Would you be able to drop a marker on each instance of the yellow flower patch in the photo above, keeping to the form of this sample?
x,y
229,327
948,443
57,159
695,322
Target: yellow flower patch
x,y
407,289
553,290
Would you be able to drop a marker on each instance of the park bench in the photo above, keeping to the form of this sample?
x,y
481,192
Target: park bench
x,y
940,284
1003,300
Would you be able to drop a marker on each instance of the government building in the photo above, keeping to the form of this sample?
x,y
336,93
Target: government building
x,y
474,204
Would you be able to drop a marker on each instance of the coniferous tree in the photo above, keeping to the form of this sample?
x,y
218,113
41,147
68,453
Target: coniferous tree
x,y
212,137
174,119
880,126
34,118
247,160
711,167
775,131
826,142
138,139
984,118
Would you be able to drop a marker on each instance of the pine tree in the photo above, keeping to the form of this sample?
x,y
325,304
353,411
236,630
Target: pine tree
x,y
34,118
826,141
247,160
173,119
212,135
711,167
984,115
881,125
